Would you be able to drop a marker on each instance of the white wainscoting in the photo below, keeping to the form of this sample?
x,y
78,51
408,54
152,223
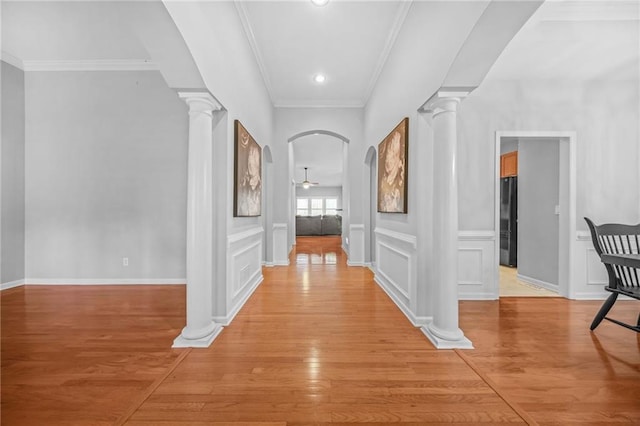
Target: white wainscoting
x,y
590,274
355,254
11,284
477,266
280,245
244,267
395,271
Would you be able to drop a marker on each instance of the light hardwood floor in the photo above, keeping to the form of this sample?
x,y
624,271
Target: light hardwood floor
x,y
317,343
511,286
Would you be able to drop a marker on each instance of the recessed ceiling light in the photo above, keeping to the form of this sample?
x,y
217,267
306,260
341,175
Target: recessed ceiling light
x,y
319,78
319,2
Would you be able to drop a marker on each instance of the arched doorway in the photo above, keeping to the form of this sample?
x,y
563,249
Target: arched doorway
x,y
319,157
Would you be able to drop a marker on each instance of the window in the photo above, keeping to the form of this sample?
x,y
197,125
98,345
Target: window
x,y
316,206
330,206
302,207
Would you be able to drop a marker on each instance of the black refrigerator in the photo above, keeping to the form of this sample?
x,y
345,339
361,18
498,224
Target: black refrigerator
x,y
509,221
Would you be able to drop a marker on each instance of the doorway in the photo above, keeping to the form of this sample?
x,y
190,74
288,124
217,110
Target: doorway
x,y
533,236
370,194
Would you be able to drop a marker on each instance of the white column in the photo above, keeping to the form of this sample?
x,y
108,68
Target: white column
x,y
200,329
443,331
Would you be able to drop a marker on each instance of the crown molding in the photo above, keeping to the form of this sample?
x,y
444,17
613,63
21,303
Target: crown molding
x,y
311,103
91,65
401,15
251,38
12,60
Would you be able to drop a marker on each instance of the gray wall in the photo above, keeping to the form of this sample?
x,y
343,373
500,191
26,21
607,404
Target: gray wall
x,y
12,153
106,158
538,194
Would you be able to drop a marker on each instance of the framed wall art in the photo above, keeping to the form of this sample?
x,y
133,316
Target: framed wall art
x,y
247,190
392,170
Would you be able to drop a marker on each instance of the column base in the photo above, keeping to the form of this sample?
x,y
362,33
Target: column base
x,y
202,342
460,342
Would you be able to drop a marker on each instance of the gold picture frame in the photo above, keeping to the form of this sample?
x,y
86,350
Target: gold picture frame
x,y
393,153
247,190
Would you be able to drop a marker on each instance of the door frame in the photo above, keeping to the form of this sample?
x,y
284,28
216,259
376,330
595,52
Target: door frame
x,y
567,200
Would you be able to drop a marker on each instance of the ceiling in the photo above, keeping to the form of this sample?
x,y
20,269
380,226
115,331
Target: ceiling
x,y
575,41
346,41
322,155
64,31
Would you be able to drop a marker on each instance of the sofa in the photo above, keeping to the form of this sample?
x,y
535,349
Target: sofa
x,y
318,225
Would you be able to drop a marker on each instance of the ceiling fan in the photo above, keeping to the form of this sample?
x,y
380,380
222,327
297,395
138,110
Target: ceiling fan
x,y
305,183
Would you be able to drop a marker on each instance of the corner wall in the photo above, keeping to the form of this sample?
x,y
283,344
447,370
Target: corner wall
x,y
12,153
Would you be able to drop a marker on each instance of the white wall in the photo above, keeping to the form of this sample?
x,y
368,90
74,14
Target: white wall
x,y
538,224
607,150
12,152
408,79
105,177
607,142
214,35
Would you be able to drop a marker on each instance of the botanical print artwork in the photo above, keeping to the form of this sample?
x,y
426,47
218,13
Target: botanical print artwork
x,y
392,170
248,174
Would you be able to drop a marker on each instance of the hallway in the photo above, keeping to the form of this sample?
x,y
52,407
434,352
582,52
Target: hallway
x,y
317,343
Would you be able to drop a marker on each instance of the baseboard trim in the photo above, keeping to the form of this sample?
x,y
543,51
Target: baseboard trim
x,y
226,320
416,321
11,284
539,283
102,281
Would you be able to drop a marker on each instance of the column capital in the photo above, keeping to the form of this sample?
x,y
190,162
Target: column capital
x,y
200,101
445,99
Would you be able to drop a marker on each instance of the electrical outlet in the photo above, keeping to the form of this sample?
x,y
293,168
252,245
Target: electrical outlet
x,y
125,261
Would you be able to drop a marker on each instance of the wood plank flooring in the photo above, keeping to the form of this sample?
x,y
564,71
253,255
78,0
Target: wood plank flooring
x,y
318,343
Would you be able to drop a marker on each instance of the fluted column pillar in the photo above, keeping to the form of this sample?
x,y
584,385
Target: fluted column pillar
x,y
200,329
443,331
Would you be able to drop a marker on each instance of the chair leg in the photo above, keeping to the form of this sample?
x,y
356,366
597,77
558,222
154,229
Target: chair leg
x,y
638,324
604,310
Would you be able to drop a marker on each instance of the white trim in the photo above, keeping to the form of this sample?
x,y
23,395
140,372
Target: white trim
x,y
400,290
104,281
440,343
279,226
92,65
12,60
477,250
357,226
204,342
239,236
226,320
401,15
310,103
583,236
416,321
538,283
409,239
251,38
12,284
255,273
476,236
567,266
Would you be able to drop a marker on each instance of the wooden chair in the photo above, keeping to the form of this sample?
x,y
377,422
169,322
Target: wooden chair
x,y
624,274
